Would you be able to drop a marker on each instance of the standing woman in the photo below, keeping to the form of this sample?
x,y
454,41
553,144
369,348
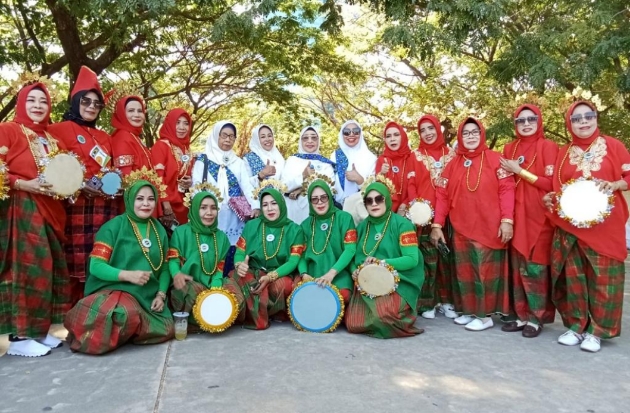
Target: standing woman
x,y
92,208
532,158
354,160
34,282
475,181
430,159
173,163
267,255
130,152
395,164
299,167
385,236
331,239
587,268
264,160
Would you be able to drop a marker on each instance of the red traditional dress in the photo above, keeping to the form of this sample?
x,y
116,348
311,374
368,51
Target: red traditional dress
x,y
130,153
428,163
530,249
400,165
88,213
588,263
477,194
172,160
34,285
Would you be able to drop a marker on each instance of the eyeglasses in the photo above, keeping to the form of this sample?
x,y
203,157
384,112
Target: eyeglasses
x,y
528,119
353,131
475,132
312,138
587,116
322,199
87,102
226,136
379,199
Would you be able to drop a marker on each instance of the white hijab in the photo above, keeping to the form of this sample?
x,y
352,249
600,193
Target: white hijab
x,y
359,155
319,141
273,156
221,157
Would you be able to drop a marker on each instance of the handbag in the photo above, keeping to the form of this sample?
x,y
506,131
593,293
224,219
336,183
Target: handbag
x,y
238,204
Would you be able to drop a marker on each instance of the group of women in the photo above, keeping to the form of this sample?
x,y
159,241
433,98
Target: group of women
x,y
112,269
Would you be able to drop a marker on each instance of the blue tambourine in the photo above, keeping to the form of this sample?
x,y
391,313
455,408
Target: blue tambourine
x,y
314,308
112,182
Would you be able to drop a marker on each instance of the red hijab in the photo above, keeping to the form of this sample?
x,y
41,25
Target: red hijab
x,y
21,116
120,121
436,148
168,129
582,143
403,151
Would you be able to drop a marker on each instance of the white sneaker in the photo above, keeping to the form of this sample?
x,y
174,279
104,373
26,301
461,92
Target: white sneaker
x,y
591,343
51,341
462,320
430,314
480,324
28,348
570,338
448,310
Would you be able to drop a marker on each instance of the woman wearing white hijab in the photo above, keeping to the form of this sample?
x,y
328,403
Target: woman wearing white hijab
x,y
355,162
308,160
264,160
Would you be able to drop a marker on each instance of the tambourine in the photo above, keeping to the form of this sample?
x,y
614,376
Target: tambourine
x,y
215,310
4,181
315,308
420,212
376,280
112,182
583,204
65,172
355,206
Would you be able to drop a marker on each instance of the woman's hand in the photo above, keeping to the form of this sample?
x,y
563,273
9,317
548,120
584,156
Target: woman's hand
x,y
620,185
327,278
355,274
402,210
158,304
267,171
307,171
135,277
436,236
90,192
34,186
180,280
511,165
506,231
295,193
262,284
354,176
307,277
385,167
549,200
371,260
242,268
168,216
185,182
255,213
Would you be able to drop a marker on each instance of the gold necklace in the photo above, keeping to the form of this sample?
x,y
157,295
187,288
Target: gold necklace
x,y
518,181
332,221
136,232
264,242
479,175
378,241
144,150
216,255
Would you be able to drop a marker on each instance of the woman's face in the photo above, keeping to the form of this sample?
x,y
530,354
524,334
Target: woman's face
x,y
208,211
265,136
227,138
182,127
392,138
144,204
37,105
135,113
471,136
428,133
583,121
270,208
319,200
526,123
351,133
310,141
90,106
375,204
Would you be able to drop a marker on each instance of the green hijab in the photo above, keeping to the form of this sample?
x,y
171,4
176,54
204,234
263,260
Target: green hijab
x,y
318,183
130,199
381,189
196,224
283,219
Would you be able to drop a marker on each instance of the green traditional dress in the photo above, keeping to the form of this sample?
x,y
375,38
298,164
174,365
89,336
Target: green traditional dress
x,y
331,242
271,246
114,311
391,238
199,251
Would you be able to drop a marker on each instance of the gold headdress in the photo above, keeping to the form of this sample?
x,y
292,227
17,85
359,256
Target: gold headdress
x,y
28,78
318,177
4,181
202,187
270,183
378,178
149,175
118,91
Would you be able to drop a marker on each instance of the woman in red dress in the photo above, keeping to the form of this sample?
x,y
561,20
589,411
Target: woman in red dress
x,y
130,152
395,163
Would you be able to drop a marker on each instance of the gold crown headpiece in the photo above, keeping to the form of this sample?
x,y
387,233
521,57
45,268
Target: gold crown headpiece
x,y
148,175
318,177
28,78
378,178
270,183
118,91
202,187
4,181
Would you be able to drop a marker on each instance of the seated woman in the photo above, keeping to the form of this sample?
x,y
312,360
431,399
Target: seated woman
x,y
267,255
386,237
196,256
331,239
128,278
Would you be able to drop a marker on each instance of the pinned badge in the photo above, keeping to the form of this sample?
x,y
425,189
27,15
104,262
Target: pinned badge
x,y
324,226
467,163
146,243
81,139
204,247
270,237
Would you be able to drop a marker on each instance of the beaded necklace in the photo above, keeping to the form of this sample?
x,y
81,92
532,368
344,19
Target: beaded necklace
x,y
216,255
378,242
478,176
432,164
518,181
31,136
332,221
567,154
402,178
183,166
264,242
144,150
136,232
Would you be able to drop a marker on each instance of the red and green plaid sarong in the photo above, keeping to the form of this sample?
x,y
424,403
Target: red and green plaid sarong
x,y
587,287
482,278
34,282
531,287
388,316
438,281
107,319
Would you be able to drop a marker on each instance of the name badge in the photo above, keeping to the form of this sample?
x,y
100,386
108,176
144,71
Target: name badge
x,y
100,156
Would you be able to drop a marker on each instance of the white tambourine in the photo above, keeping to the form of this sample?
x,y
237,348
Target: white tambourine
x,y
376,280
215,310
420,212
65,173
581,202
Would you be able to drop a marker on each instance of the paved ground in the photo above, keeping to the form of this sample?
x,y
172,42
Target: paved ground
x,y
281,370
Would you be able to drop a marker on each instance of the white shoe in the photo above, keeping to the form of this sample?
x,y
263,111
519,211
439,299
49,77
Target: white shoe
x,y
51,341
570,338
430,314
591,343
448,310
480,324
28,348
462,320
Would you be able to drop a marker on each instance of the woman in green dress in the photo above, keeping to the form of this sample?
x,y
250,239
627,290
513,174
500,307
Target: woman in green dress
x,y
128,278
331,239
387,238
267,255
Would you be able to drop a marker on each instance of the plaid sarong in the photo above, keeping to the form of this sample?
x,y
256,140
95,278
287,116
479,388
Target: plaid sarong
x,y
34,282
388,316
587,287
438,283
531,288
107,319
